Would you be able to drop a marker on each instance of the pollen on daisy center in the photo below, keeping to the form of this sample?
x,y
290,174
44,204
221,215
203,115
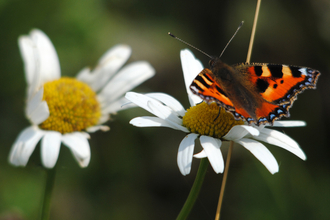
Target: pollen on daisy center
x,y
205,119
72,104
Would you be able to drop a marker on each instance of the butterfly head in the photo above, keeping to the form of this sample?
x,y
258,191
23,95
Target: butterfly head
x,y
214,61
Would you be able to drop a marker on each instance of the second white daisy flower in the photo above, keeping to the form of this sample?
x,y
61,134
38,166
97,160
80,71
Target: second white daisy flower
x,y
62,109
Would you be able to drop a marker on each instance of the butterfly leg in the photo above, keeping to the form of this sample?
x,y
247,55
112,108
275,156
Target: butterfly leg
x,y
217,115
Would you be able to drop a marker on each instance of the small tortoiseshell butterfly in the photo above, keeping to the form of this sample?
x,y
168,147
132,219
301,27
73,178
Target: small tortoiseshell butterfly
x,y
255,92
258,93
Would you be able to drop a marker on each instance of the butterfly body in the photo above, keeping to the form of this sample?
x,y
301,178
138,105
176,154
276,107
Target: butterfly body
x,y
257,92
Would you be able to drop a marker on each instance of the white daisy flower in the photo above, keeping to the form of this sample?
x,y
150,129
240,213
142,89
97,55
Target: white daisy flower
x,y
198,122
62,109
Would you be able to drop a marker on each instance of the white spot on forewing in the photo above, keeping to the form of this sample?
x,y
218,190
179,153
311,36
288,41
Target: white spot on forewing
x,y
194,88
303,71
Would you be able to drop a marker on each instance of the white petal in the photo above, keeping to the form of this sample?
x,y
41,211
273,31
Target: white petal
x,y
139,99
117,105
29,56
40,59
126,79
147,121
108,65
79,146
37,110
25,145
86,76
40,114
83,162
289,124
104,118
211,147
191,68
85,134
169,101
281,140
239,131
35,100
49,62
50,148
261,153
98,127
119,52
164,112
185,153
156,108
200,155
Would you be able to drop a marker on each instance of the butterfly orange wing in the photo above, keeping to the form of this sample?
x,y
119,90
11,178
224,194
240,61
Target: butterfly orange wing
x,y
280,84
209,90
277,85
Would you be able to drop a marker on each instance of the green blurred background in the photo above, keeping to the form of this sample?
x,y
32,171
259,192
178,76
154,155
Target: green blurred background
x,y
133,172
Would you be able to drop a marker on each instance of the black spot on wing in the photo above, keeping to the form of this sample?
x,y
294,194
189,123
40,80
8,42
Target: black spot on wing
x,y
201,80
208,78
295,71
258,70
262,85
221,91
275,70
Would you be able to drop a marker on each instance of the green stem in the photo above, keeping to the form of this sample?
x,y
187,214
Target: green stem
x,y
195,189
50,180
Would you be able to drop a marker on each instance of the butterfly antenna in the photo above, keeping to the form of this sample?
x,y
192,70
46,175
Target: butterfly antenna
x,y
239,27
169,33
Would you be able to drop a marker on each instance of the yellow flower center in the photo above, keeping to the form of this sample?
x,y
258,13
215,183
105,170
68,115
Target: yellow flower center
x,y
206,119
72,104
